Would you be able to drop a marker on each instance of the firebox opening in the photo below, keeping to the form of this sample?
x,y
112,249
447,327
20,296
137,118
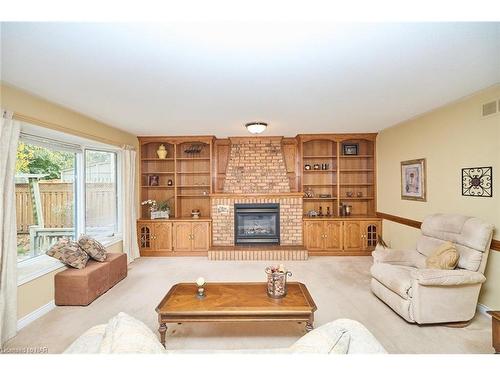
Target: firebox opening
x,y
257,224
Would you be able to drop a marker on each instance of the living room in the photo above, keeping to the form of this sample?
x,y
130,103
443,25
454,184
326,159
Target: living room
x,y
250,186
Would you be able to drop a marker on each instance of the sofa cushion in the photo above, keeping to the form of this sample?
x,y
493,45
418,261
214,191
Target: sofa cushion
x,y
445,257
396,278
468,231
339,336
125,334
92,247
69,252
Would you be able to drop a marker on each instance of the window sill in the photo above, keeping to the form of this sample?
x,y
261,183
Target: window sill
x,y
112,240
37,267
32,269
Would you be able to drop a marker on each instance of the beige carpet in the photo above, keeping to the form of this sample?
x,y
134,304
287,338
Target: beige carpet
x,y
339,286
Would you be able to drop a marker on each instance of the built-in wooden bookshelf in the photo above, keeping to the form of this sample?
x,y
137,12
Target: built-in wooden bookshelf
x,y
335,176
183,178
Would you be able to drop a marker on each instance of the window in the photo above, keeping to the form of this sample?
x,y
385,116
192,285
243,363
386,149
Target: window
x,y
62,191
45,201
100,194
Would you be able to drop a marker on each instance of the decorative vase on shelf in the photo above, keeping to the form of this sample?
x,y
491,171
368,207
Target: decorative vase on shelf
x,y
162,152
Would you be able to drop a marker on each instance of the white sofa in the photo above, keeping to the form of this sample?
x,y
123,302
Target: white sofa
x,y
124,334
424,296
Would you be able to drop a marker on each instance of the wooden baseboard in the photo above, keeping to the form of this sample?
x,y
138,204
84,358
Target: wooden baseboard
x,y
495,244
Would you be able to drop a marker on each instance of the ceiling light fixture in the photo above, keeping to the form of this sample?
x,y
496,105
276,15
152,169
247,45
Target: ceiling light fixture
x,y
256,127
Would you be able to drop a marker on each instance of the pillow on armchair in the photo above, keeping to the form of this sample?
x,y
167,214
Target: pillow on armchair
x,y
444,257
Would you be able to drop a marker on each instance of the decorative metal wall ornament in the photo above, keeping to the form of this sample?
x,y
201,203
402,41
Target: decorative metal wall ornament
x,y
477,182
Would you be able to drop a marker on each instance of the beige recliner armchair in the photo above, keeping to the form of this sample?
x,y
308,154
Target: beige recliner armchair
x,y
420,295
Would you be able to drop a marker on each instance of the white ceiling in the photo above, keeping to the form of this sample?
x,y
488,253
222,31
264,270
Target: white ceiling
x,y
212,77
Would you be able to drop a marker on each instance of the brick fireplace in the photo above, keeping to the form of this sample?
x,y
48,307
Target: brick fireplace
x,y
290,206
256,166
256,175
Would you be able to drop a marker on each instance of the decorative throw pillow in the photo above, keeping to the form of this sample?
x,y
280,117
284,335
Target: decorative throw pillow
x,y
69,252
444,257
93,248
127,335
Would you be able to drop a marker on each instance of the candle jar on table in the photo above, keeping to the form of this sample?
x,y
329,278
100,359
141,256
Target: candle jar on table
x,y
276,282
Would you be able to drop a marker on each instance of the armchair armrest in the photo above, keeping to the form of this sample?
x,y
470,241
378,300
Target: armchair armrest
x,y
435,277
398,257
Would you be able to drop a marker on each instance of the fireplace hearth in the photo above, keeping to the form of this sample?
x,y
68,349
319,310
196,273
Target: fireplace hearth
x,y
257,223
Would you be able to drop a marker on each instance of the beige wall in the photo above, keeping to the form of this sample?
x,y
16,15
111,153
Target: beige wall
x,y
450,138
59,118
40,291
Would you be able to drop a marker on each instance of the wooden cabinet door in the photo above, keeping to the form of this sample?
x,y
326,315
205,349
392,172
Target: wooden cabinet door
x,y
145,236
371,230
163,236
313,235
333,235
352,235
200,236
182,236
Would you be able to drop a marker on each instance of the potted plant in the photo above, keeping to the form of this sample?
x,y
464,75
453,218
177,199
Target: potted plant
x,y
158,210
162,210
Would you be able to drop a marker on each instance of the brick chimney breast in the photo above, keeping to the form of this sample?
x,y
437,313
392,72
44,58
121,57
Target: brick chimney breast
x,y
256,166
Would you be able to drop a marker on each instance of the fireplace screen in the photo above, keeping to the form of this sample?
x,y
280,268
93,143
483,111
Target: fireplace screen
x,y
257,223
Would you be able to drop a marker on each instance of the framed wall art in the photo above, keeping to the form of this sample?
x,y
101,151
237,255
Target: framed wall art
x,y
477,182
350,148
413,180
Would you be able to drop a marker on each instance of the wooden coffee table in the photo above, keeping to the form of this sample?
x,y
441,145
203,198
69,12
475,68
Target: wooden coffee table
x,y
234,302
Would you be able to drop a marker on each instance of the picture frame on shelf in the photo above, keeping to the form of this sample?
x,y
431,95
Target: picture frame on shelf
x,y
413,180
350,149
154,180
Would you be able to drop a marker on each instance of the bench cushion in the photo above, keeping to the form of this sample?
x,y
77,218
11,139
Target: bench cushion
x,y
118,267
79,287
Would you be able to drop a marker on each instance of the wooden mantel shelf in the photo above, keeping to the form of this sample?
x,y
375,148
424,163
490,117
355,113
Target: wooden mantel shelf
x,y
260,195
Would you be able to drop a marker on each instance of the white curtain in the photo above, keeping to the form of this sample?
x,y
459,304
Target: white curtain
x,y
130,246
9,135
